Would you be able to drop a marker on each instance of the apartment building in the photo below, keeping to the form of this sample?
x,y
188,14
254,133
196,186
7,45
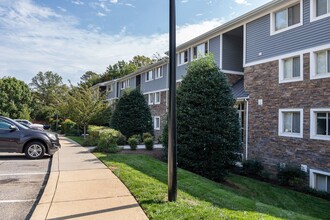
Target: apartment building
x,y
277,59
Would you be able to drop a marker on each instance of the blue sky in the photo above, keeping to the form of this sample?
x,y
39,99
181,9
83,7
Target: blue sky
x,y
70,37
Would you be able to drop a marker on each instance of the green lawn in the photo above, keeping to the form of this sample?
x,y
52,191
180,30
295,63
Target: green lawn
x,y
200,198
78,139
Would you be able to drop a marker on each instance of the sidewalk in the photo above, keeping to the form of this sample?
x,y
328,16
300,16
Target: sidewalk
x,y
81,187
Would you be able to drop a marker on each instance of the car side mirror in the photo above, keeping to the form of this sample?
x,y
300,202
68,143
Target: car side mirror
x,y
13,128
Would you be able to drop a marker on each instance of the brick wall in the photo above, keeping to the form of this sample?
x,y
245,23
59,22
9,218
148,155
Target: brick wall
x,y
262,82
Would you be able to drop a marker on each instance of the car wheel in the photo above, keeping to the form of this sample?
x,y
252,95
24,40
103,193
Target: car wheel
x,y
35,150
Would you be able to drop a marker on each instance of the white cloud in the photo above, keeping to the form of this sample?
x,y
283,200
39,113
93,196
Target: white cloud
x,y
114,1
242,2
77,2
184,1
100,14
62,9
130,5
35,38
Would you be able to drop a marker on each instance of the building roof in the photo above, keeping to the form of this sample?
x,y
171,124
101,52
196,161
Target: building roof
x,y
238,90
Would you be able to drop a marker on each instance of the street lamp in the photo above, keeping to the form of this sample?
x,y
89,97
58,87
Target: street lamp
x,y
172,137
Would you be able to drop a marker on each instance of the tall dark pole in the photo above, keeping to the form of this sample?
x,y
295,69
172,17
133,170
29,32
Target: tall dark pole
x,y
172,161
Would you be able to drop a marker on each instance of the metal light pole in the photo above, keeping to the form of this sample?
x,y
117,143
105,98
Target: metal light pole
x,y
172,138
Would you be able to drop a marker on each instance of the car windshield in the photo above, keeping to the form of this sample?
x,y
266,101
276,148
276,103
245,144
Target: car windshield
x,y
25,125
17,124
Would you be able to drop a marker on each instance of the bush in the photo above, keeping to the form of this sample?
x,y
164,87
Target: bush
x,y
149,143
137,137
133,142
132,114
69,127
291,175
107,145
146,135
108,141
95,131
252,167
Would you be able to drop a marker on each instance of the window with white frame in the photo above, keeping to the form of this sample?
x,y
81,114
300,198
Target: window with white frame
x,y
290,123
320,124
291,69
149,76
159,72
183,57
123,85
200,50
286,18
320,66
127,83
320,180
151,98
319,9
157,98
157,123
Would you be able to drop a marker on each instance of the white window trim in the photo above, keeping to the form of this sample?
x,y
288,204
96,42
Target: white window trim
x,y
280,123
150,99
155,127
127,83
313,134
157,103
313,72
313,16
161,70
152,77
312,173
272,19
192,50
178,57
121,85
281,70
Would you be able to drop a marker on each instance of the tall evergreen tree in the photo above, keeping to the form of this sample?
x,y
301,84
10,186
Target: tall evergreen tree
x,y
207,123
132,114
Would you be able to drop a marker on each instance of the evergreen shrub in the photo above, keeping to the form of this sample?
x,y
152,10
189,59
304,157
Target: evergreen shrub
x,y
252,167
208,129
149,143
133,142
291,175
132,114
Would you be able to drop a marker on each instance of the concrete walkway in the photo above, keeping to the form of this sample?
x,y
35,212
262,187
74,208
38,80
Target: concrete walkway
x,y
81,187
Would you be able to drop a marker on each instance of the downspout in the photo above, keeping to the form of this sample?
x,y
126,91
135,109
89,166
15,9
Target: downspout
x,y
246,128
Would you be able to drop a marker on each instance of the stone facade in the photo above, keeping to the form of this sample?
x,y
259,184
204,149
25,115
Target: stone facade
x,y
161,111
262,83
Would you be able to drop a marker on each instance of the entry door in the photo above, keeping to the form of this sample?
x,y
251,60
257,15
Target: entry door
x,y
8,138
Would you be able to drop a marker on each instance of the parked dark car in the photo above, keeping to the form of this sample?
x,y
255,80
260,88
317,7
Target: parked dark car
x,y
15,137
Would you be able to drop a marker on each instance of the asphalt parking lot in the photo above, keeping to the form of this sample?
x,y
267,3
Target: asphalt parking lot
x,y
22,182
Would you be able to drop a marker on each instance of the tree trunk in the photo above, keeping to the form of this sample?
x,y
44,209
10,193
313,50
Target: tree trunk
x,y
85,131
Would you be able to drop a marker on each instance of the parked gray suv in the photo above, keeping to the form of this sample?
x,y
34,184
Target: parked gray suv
x,y
15,137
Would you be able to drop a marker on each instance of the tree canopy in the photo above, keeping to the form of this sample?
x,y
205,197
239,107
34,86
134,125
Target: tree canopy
x,y
132,114
15,98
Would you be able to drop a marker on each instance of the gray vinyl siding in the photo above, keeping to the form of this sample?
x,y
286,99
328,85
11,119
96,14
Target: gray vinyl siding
x,y
214,47
310,34
112,94
232,51
132,85
181,70
155,84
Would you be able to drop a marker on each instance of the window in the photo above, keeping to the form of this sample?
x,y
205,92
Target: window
x,y
183,57
320,180
149,76
291,122
151,98
291,69
159,72
320,124
157,98
123,85
109,88
157,123
4,125
320,66
200,50
286,18
319,9
127,83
